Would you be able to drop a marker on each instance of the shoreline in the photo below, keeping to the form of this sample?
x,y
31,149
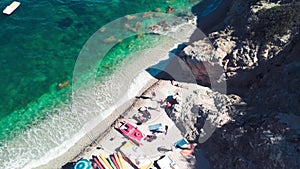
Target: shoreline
x,y
85,143
113,141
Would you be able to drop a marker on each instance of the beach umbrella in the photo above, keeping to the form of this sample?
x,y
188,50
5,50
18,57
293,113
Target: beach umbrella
x,y
83,164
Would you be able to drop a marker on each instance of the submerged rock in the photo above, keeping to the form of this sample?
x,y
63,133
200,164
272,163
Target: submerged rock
x,y
102,29
170,9
130,17
110,39
128,27
63,84
64,23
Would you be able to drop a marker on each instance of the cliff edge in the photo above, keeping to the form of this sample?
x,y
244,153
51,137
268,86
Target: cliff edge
x,y
258,45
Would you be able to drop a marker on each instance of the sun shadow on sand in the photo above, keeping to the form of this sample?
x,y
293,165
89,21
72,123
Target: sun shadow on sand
x,y
175,68
163,149
69,165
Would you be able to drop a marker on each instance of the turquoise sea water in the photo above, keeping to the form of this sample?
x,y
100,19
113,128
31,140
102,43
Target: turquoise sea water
x,y
40,43
39,46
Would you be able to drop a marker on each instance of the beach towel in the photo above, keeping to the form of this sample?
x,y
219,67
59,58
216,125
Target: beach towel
x,y
183,143
156,128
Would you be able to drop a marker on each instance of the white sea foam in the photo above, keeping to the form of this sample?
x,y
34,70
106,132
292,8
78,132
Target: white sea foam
x,y
61,130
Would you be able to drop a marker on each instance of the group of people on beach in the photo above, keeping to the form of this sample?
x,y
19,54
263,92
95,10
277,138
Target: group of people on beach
x,y
144,114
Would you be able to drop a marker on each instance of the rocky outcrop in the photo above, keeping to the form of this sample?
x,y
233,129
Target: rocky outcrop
x,y
262,74
197,122
192,55
249,37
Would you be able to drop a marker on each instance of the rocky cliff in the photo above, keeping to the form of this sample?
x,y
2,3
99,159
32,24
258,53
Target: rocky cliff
x,y
258,46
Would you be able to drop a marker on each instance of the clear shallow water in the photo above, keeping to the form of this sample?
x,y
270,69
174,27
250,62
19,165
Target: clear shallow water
x,y
39,44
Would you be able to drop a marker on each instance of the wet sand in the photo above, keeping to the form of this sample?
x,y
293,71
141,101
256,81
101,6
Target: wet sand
x,y
87,145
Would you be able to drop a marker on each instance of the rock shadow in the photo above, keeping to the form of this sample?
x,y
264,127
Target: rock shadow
x,y
176,68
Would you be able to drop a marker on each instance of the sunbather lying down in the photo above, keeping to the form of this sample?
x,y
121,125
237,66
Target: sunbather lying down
x,y
188,151
150,137
145,113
